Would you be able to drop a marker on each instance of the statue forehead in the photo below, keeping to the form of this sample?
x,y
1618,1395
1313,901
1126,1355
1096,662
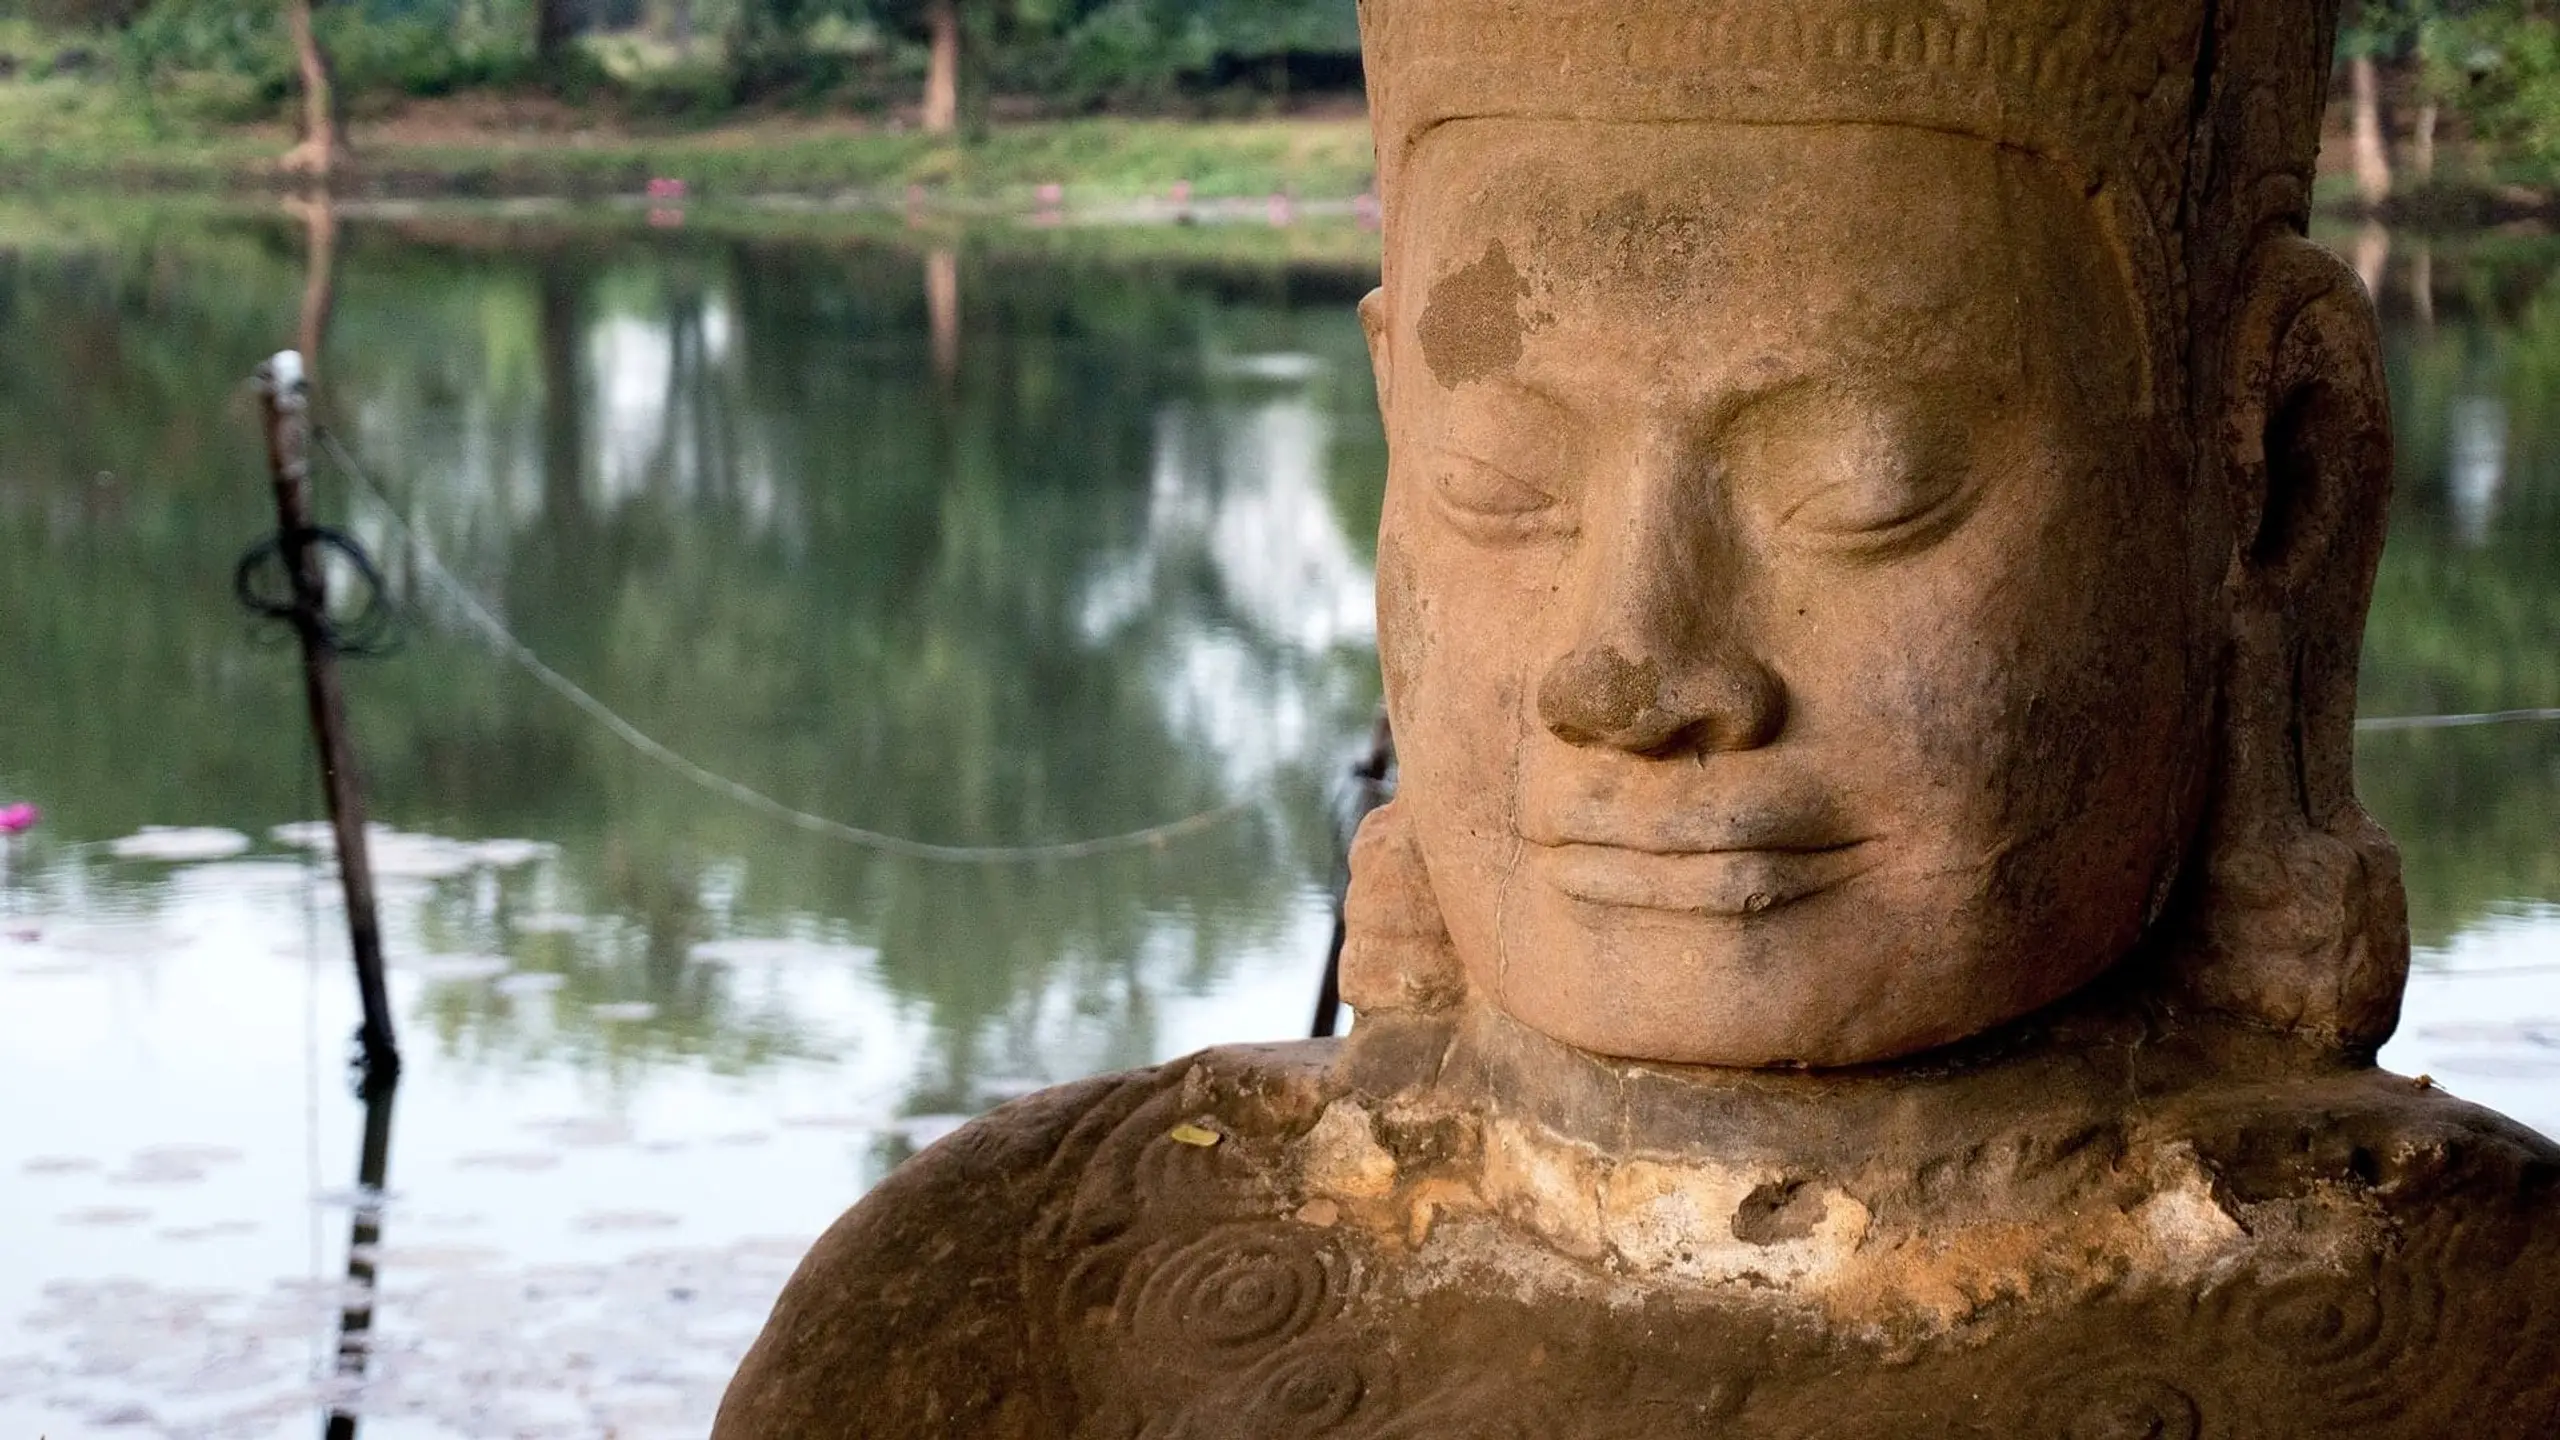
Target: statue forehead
x,y
1672,203
1750,246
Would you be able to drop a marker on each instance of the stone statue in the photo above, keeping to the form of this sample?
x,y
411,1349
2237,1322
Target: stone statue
x,y
1877,936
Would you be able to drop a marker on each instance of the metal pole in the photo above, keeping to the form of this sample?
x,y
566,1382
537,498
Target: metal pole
x,y
364,1240
287,400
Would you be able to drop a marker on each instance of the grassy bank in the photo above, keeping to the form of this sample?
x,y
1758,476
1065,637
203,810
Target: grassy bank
x,y
74,134
1325,243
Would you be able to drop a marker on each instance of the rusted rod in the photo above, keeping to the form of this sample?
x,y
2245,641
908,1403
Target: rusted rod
x,y
286,397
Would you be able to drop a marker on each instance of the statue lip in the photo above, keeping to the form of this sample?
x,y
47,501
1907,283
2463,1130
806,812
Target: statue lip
x,y
1734,882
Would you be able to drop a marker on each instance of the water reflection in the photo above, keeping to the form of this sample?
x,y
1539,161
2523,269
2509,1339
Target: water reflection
x,y
968,549
2468,606
2477,469
965,544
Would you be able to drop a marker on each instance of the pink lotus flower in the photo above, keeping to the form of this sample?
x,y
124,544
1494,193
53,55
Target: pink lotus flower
x,y
18,819
666,189
1052,195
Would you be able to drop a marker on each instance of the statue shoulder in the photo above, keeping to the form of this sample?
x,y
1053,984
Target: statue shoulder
x,y
2408,1143
2456,1194
909,1315
954,1299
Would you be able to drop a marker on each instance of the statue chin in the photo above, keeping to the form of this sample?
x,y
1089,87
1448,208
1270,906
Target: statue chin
x,y
1877,936
1822,981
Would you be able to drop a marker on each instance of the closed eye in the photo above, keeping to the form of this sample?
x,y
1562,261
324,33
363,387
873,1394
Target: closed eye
x,y
1887,508
1863,477
1490,503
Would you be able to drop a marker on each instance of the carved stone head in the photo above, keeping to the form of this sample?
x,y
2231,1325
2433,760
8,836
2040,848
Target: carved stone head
x,y
1883,502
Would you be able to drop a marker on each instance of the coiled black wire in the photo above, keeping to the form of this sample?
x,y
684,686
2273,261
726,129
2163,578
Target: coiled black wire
x,y
263,583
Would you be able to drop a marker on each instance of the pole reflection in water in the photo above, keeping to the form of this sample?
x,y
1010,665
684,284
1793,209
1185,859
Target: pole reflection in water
x,y
364,1240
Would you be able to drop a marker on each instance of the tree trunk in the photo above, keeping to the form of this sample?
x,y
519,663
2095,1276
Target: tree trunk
x,y
319,278
2372,154
2423,160
2372,257
554,27
942,76
323,150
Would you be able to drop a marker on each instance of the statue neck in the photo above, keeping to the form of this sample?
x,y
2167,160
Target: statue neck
x,y
2086,1063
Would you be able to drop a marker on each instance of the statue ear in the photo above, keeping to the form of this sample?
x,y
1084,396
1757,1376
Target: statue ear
x,y
1373,321
1396,956
2302,921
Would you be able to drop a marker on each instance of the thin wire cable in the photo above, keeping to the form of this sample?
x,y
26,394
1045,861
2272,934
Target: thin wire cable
x,y
2488,972
504,641
2390,724
372,632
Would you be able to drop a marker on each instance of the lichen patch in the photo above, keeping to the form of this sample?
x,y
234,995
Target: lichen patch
x,y
1472,328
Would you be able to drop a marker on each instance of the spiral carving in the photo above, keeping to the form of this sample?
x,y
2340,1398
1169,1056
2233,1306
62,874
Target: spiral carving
x,y
1240,1289
2122,1407
2316,1323
2354,1342
1088,1293
1306,1392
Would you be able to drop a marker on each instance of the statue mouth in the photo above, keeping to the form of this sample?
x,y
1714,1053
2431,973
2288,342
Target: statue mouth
x,y
1740,883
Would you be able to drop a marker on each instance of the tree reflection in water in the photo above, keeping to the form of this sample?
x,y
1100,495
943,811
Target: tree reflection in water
x,y
1111,572
2468,603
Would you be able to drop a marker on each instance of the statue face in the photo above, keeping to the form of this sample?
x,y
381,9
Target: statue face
x,y
1784,596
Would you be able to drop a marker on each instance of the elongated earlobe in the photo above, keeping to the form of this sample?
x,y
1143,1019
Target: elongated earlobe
x,y
1373,321
1396,956
2300,922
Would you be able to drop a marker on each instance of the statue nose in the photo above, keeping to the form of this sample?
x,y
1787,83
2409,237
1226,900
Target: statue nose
x,y
1599,696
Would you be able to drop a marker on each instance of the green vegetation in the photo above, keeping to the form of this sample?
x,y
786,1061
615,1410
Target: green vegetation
x,y
2422,74
2445,101
1077,54
77,138
973,98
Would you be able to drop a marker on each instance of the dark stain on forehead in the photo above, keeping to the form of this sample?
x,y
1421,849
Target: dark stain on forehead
x,y
1472,328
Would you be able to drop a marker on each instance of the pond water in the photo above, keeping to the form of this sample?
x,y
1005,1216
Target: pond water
x,y
989,539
